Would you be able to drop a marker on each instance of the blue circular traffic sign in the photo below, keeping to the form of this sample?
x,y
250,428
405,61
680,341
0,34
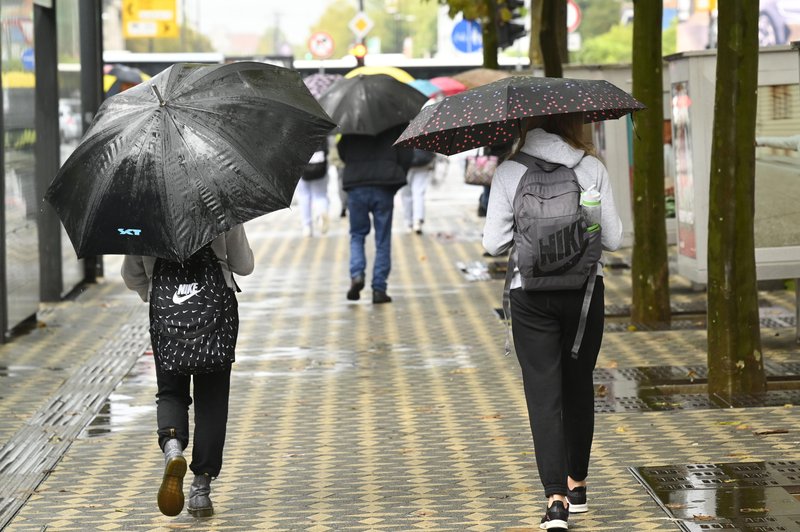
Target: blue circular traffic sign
x,y
28,57
467,36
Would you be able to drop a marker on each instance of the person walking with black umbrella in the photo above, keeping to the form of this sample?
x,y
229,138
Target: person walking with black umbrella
x,y
372,111
166,175
374,170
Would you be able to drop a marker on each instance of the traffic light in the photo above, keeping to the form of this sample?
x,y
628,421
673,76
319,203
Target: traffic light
x,y
509,31
359,50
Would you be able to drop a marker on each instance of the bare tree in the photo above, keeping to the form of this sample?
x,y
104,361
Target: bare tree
x,y
650,268
735,362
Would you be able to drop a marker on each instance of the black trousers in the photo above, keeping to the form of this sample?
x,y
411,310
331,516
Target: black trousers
x,y
211,392
558,389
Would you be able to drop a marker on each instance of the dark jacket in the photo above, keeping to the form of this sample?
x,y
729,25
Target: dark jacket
x,y
373,160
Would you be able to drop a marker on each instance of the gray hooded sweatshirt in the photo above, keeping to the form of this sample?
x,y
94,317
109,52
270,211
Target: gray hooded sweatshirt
x,y
231,248
498,232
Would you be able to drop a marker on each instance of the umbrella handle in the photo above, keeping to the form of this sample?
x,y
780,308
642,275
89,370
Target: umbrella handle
x,y
161,101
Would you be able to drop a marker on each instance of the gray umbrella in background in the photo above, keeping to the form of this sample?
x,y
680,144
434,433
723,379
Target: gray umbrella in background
x,y
318,82
179,159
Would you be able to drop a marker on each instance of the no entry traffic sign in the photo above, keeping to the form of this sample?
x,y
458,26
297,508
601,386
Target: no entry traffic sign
x,y
320,44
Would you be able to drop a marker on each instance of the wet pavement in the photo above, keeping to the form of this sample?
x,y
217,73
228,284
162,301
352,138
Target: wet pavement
x,y
351,416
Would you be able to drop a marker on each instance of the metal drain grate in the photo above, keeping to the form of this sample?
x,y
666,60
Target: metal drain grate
x,y
751,496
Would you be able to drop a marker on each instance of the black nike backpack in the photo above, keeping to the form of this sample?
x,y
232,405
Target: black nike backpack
x,y
194,317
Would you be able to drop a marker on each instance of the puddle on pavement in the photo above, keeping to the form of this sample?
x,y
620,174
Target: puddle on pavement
x,y
118,412
744,496
16,371
661,388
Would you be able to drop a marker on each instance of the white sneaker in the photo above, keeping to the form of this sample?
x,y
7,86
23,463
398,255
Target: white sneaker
x,y
322,220
417,227
307,231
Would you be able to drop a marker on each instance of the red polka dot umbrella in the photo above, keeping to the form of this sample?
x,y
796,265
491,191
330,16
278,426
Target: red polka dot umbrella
x,y
490,114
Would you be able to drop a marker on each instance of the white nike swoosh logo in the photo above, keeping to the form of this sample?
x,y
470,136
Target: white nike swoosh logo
x,y
180,299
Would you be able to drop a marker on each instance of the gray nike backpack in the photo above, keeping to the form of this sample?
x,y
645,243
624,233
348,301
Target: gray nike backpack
x,y
553,248
194,317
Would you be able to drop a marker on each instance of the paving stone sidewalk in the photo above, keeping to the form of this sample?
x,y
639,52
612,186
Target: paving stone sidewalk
x,y
351,416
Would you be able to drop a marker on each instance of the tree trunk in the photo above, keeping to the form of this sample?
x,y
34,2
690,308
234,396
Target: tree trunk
x,y
489,31
735,362
535,48
650,269
553,37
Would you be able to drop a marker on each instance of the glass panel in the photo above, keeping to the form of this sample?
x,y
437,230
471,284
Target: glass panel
x,y
777,215
70,124
21,205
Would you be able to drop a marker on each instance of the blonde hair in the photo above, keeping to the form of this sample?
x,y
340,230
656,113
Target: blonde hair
x,y
568,126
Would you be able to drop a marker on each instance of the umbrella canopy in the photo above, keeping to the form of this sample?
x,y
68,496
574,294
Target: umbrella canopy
x,y
368,105
397,73
318,83
117,78
448,85
426,87
480,76
490,114
174,162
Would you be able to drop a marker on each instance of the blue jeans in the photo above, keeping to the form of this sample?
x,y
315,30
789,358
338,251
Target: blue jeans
x,y
361,202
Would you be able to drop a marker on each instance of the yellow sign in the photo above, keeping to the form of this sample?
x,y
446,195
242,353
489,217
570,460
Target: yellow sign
x,y
149,19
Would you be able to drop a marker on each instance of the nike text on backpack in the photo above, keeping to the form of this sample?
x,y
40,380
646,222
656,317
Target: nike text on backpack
x,y
194,319
554,248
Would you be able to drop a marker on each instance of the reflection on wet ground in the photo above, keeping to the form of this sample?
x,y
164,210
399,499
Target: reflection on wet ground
x,y
120,411
744,496
660,388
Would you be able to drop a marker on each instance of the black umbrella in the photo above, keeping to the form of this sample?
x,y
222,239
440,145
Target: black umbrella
x,y
367,105
172,163
490,114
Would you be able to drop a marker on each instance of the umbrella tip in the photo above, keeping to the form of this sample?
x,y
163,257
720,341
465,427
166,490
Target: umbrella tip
x,y
161,101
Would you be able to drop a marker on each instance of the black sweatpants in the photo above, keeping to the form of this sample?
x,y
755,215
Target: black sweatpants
x,y
559,390
211,392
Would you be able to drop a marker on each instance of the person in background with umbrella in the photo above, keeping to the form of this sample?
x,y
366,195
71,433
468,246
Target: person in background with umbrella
x,y
374,170
372,111
559,390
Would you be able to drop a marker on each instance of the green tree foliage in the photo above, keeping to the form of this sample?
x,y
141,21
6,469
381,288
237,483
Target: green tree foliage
x,y
615,46
190,41
598,17
611,47
414,18
735,361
